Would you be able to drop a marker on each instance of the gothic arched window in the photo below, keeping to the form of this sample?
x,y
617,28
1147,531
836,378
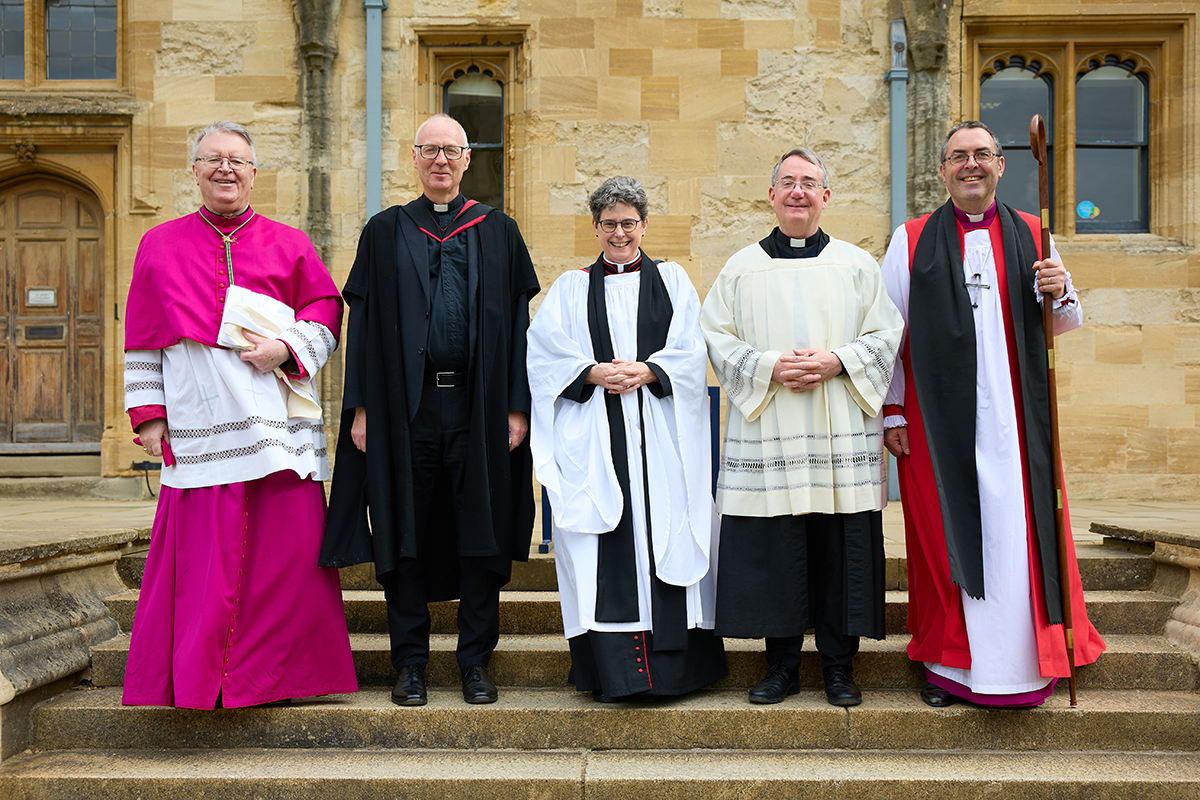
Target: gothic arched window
x,y
1008,98
475,97
1112,137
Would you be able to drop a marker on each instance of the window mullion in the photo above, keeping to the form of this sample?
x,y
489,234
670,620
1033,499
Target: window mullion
x,y
1066,144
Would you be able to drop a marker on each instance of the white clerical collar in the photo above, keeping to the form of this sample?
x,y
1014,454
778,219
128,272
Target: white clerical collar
x,y
441,207
621,267
975,217
797,243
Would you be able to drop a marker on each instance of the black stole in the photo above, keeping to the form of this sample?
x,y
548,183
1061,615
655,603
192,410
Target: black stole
x,y
942,356
616,576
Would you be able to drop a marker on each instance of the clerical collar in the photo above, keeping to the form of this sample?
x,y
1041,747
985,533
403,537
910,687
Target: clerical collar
x,y
222,221
453,207
611,268
973,222
787,247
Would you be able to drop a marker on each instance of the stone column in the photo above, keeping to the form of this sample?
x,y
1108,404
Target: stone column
x,y
928,23
318,22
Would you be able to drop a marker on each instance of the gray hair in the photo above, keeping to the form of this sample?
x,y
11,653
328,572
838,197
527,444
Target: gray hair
x,y
807,155
465,141
968,124
622,189
225,127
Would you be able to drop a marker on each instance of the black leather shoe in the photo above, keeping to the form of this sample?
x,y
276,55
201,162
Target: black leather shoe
x,y
840,688
410,689
600,697
779,683
937,697
477,686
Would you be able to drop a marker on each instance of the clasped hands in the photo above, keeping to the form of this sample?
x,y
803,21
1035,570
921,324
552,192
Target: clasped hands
x,y
620,376
800,370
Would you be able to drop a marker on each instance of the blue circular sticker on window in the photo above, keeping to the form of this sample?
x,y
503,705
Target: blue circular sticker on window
x,y
1087,210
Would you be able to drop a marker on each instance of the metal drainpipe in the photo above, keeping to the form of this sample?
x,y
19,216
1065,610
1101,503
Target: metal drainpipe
x,y
374,200
897,79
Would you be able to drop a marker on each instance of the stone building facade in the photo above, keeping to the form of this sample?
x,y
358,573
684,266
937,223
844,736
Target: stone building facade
x,y
696,98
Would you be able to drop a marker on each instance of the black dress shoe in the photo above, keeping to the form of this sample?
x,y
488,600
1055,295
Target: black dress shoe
x,y
477,686
779,683
600,697
840,688
410,689
937,697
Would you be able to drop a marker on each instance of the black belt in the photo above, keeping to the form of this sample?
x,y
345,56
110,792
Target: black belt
x,y
445,380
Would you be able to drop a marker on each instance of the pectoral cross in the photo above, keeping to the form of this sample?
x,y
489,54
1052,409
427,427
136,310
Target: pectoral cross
x,y
975,283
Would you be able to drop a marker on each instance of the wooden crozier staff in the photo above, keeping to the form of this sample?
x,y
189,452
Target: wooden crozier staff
x,y
1037,140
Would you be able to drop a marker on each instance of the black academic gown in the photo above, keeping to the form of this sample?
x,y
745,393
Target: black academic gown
x,y
391,277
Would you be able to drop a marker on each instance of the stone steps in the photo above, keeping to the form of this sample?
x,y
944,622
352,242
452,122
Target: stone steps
x,y
1136,661
562,719
358,774
1100,567
538,612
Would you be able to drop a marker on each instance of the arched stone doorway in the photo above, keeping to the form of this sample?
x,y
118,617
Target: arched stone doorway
x,y
51,359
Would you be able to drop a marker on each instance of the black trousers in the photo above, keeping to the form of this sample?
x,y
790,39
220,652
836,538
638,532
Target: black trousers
x,y
439,434
781,575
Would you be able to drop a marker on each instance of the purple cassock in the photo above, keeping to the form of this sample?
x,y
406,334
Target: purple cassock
x,y
234,610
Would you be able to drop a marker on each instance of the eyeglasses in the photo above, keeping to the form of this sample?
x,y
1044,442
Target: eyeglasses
x,y
787,184
235,164
453,152
981,157
610,225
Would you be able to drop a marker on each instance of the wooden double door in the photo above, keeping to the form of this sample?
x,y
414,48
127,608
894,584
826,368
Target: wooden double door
x,y
51,359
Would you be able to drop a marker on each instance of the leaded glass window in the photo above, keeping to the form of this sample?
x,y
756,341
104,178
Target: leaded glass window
x,y
1112,137
12,40
1008,99
476,99
81,39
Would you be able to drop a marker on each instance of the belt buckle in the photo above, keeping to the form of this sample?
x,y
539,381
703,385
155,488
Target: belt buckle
x,y
438,379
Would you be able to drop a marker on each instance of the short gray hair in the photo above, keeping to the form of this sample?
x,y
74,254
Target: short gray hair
x,y
417,137
968,124
807,155
224,126
622,189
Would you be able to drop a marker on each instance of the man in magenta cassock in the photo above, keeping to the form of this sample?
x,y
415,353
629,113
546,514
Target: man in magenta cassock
x,y
234,610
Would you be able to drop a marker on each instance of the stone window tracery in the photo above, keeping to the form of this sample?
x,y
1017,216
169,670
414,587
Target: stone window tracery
x,y
1016,89
1113,94
473,93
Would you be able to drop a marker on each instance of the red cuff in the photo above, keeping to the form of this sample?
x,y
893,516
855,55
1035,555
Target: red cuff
x,y
893,411
301,374
141,414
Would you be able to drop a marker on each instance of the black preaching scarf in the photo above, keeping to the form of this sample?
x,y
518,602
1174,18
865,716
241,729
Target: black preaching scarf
x,y
942,355
616,577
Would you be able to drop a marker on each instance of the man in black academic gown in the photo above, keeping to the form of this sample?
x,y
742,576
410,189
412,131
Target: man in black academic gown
x,y
435,358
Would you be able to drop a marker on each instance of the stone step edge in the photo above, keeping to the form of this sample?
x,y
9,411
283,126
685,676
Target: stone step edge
x,y
513,644
551,596
565,698
571,773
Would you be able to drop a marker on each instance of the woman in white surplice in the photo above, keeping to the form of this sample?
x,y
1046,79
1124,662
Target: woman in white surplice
x,y
620,433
